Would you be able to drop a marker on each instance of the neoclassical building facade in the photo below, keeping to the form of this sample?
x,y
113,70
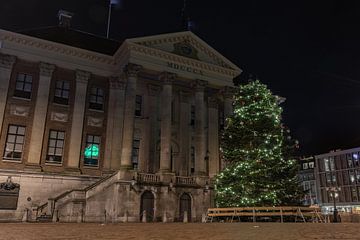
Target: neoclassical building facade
x,y
97,130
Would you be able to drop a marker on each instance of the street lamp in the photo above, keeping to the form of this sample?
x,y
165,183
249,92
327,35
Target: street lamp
x,y
334,192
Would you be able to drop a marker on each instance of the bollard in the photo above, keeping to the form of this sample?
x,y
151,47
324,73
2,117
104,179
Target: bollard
x,y
203,218
126,217
26,215
165,217
55,216
185,220
144,216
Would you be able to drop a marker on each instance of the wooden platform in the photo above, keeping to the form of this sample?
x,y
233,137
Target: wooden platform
x,y
299,212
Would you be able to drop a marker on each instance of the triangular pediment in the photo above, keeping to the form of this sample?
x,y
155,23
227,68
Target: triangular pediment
x,y
188,45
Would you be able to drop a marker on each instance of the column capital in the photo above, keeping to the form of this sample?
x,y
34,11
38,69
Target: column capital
x,y
227,92
167,77
184,97
132,69
213,102
199,85
82,76
153,90
7,61
46,69
117,82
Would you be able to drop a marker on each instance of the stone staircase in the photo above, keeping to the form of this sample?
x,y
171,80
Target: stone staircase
x,y
47,212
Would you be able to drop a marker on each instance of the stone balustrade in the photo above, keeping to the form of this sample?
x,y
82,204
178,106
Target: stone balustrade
x,y
185,180
148,178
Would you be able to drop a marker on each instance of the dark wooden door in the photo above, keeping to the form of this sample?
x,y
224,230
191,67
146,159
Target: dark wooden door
x,y
185,205
147,203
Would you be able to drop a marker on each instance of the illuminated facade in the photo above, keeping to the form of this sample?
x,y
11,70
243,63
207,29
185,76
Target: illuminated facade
x,y
340,169
98,130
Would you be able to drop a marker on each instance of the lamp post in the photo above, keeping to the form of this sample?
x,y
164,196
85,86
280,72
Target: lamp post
x,y
334,192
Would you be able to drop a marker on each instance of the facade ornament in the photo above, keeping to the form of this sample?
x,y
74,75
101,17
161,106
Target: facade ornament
x,y
213,102
117,82
59,117
95,122
17,110
199,85
82,76
9,185
7,61
167,77
153,89
132,69
46,69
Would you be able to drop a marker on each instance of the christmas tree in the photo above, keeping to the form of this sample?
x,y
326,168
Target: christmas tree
x,y
258,151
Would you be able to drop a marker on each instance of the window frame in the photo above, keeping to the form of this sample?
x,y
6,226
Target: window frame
x,y
55,147
22,92
138,105
14,143
87,161
63,100
99,98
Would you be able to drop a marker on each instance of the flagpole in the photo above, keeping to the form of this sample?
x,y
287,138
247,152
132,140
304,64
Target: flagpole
x,y
108,23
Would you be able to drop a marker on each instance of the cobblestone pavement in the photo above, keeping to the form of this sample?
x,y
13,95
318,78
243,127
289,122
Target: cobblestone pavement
x,y
174,231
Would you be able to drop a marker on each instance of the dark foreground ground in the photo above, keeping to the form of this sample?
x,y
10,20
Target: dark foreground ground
x,y
174,231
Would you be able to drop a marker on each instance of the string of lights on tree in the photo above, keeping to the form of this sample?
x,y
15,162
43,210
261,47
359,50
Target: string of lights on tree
x,y
257,149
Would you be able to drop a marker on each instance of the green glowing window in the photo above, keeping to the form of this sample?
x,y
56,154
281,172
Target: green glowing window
x,y
92,151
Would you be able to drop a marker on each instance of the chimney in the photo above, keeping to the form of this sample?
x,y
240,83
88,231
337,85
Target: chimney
x,y
65,18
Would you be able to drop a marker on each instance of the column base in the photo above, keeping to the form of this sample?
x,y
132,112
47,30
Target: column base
x,y
72,170
33,167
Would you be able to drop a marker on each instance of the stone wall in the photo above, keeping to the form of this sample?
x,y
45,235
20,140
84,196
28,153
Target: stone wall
x,y
36,188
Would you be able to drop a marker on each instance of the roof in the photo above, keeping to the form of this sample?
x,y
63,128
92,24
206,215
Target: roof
x,y
75,38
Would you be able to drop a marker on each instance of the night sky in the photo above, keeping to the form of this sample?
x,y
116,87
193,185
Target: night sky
x,y
306,51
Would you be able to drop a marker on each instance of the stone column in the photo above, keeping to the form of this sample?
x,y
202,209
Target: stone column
x,y
228,94
6,66
165,138
114,127
41,106
213,136
185,136
152,128
200,137
76,133
131,71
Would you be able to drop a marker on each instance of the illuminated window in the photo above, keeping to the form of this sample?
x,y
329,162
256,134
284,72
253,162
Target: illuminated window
x,y
311,164
96,98
14,142
92,151
326,164
23,86
55,147
135,153
62,90
138,103
305,165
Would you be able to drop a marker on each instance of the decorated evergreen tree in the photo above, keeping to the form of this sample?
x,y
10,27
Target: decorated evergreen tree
x,y
258,152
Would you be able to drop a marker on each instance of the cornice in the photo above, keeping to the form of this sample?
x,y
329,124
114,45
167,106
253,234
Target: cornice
x,y
59,48
152,52
46,69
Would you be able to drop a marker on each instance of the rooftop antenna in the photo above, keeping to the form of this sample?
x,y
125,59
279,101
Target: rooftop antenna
x,y
111,2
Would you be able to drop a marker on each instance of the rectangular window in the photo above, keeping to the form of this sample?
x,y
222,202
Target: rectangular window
x,y
96,98
192,115
138,103
55,147
62,92
135,153
14,142
192,160
305,165
23,86
311,164
326,165
92,151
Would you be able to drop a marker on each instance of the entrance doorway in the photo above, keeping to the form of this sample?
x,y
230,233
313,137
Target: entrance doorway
x,y
185,205
147,204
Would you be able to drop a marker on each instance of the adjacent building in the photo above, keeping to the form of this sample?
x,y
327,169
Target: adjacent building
x,y
307,180
340,171
93,129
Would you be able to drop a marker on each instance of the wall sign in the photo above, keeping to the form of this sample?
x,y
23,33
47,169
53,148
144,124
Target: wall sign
x,y
184,68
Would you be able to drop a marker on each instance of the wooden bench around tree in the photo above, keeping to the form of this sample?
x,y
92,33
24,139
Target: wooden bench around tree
x,y
266,212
